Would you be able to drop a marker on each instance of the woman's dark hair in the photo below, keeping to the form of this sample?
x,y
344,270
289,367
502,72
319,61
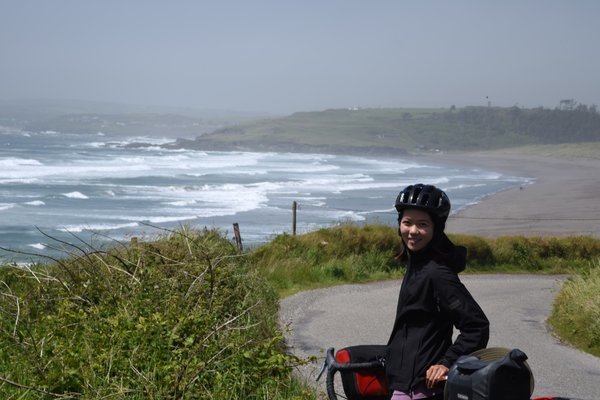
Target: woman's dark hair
x,y
441,250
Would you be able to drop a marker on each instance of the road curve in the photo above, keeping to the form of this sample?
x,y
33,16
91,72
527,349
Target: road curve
x,y
517,306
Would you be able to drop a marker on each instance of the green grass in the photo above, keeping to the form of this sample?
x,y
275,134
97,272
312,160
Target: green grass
x,y
187,317
343,254
349,253
576,313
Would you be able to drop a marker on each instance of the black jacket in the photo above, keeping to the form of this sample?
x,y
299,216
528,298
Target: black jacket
x,y
432,300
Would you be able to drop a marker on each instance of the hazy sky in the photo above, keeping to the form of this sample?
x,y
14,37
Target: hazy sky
x,y
283,56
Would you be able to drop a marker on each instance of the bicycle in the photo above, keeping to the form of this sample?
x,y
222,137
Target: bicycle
x,y
364,379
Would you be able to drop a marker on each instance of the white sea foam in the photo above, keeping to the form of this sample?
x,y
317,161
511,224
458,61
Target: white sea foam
x,y
162,220
7,163
75,195
464,186
230,198
132,160
245,171
309,201
96,227
181,203
134,165
390,210
6,206
76,171
19,181
400,166
341,183
436,180
347,216
139,140
35,203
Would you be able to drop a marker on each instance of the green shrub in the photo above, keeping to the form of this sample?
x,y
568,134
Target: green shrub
x,y
529,254
184,317
479,250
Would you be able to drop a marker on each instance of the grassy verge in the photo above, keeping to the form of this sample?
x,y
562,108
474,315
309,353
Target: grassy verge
x,y
349,254
576,313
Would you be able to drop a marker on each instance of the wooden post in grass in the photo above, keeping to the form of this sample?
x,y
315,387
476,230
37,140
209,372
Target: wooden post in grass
x,y
238,237
294,207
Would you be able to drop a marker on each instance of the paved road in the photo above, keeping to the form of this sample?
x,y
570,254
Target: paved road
x,y
517,306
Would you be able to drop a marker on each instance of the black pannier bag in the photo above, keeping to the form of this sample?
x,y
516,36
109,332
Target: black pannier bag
x,y
368,383
490,374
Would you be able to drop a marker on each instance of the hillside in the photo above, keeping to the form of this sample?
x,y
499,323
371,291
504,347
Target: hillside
x,y
398,131
389,131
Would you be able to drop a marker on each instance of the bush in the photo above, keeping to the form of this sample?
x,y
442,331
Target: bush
x,y
531,254
479,250
182,317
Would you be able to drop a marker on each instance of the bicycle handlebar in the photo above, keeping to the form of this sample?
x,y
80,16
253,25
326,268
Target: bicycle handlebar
x,y
331,363
332,366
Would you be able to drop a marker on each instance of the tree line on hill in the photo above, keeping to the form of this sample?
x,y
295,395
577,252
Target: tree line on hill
x,y
560,125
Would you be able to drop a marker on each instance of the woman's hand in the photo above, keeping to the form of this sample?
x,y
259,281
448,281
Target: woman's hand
x,y
436,374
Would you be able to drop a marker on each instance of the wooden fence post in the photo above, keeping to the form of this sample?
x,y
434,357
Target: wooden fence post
x,y
238,237
294,207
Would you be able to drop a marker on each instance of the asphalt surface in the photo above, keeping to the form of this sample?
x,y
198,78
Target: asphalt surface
x,y
516,305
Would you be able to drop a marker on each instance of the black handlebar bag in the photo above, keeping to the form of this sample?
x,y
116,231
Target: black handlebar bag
x,y
368,383
490,374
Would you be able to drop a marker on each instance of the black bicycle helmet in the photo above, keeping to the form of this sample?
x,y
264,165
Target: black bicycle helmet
x,y
424,197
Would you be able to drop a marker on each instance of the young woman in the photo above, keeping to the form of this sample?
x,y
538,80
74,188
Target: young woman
x,y
432,300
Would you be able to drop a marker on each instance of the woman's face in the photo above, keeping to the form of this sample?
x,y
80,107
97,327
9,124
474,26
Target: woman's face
x,y
416,229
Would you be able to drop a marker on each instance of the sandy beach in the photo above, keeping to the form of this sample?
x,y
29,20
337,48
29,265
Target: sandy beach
x,y
563,200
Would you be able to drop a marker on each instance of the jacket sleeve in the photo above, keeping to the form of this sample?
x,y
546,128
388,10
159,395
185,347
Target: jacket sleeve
x,y
456,302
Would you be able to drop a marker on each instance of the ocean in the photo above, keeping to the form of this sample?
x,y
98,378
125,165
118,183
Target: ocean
x,y
94,190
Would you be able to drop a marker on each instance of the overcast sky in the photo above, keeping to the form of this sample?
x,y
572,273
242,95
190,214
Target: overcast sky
x,y
282,56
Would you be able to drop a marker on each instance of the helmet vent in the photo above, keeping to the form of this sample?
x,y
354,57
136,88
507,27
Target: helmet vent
x,y
426,197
